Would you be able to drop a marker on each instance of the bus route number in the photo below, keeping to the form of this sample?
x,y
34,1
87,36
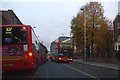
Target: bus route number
x,y
8,29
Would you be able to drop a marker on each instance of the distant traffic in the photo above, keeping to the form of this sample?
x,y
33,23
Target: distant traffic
x,y
62,49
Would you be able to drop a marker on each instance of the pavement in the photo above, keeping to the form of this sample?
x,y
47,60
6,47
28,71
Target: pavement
x,y
0,74
105,65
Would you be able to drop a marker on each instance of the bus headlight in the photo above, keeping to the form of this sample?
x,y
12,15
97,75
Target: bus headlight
x,y
59,58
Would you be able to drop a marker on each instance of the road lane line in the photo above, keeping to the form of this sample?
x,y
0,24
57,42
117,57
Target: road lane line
x,y
79,71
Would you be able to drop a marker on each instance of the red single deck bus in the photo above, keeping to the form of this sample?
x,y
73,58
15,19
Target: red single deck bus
x,y
62,49
21,48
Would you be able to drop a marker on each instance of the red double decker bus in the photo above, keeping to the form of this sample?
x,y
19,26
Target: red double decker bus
x,y
62,49
21,48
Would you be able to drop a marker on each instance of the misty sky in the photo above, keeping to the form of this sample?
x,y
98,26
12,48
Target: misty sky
x,y
52,17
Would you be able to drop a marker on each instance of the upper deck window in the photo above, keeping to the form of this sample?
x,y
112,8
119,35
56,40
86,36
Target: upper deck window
x,y
65,40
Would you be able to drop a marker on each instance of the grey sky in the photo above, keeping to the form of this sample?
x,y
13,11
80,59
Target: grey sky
x,y
52,17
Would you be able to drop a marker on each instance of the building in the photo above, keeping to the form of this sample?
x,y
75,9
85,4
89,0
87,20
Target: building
x,y
9,17
116,24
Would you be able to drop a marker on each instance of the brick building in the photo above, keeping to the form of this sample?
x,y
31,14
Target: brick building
x,y
116,24
9,17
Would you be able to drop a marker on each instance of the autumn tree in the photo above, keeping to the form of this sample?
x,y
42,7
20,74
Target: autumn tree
x,y
77,31
97,27
104,40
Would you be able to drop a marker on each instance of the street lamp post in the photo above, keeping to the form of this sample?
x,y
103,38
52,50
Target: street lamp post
x,y
83,9
92,34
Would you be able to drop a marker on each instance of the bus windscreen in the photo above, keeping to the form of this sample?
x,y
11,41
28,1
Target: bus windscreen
x,y
65,52
14,35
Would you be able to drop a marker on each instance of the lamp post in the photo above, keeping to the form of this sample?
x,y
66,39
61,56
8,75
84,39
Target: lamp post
x,y
83,9
92,34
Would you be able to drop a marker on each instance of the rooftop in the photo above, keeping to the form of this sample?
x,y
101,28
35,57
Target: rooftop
x,y
9,17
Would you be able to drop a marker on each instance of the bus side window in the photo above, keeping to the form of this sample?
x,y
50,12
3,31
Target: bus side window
x,y
36,42
33,45
38,51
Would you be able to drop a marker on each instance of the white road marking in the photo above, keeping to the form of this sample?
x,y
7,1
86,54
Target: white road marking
x,y
79,71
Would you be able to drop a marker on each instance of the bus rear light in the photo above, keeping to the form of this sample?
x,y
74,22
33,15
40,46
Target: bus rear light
x,y
30,54
23,28
70,59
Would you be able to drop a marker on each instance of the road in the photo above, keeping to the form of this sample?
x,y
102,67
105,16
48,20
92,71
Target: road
x,y
63,70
